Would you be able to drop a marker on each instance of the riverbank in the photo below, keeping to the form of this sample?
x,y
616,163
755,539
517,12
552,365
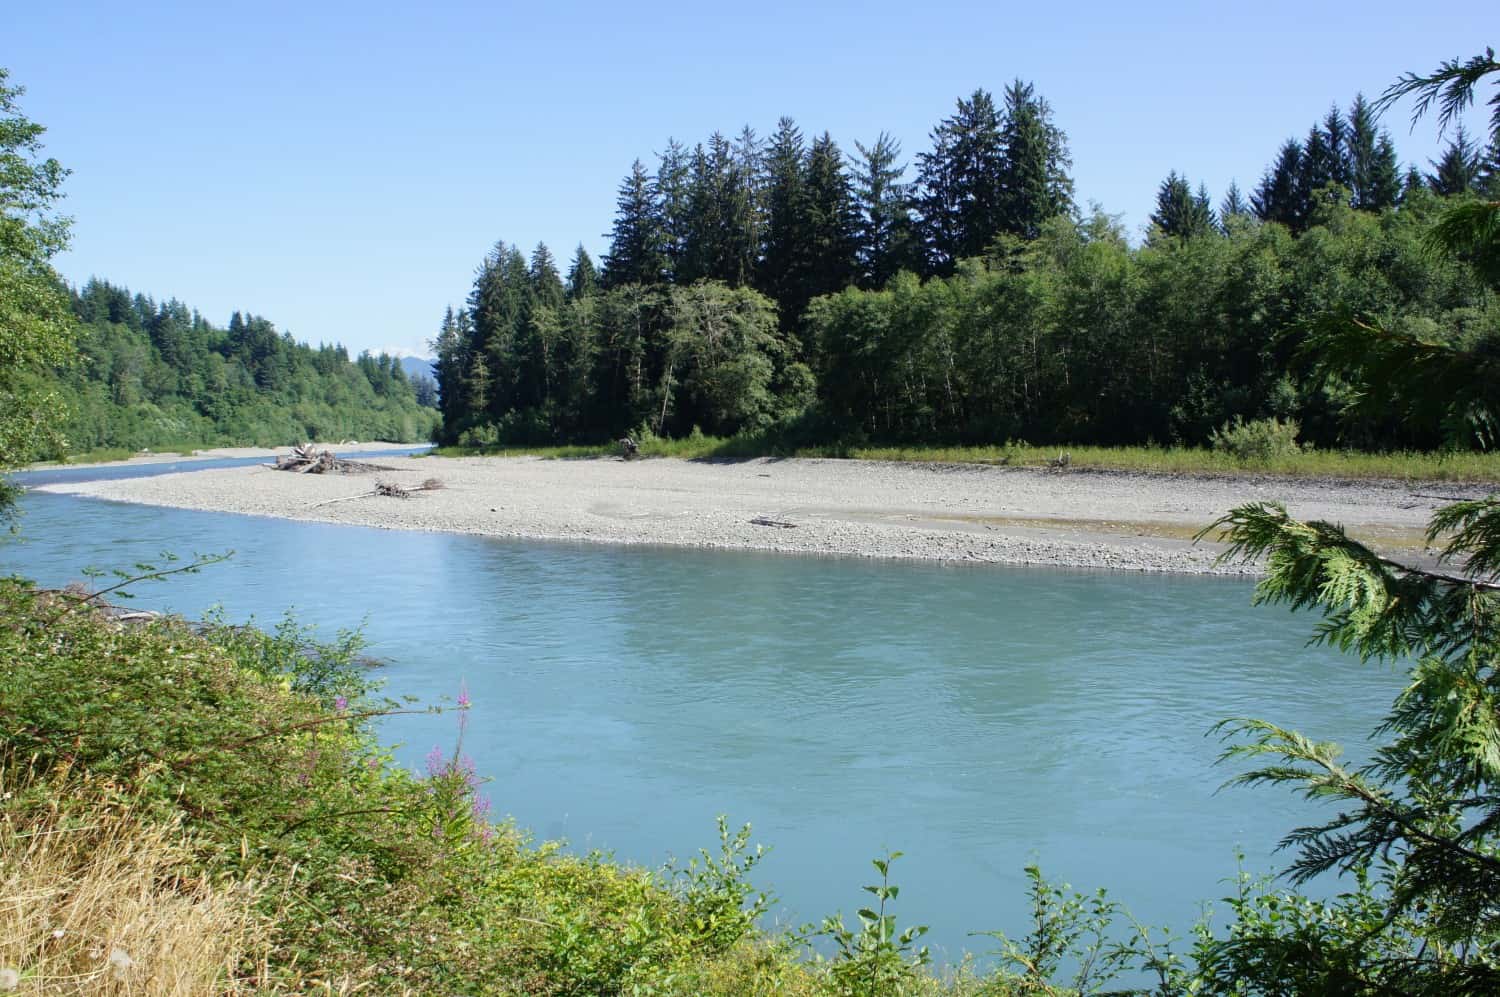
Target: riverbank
x,y
934,512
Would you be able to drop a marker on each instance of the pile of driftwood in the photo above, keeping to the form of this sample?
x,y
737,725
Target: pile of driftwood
x,y
308,459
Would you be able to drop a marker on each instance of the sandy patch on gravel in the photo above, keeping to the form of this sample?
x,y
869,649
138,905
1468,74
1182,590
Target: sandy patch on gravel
x,y
944,512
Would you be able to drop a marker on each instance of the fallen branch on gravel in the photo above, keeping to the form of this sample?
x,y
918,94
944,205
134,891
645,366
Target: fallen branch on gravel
x,y
387,488
763,521
307,459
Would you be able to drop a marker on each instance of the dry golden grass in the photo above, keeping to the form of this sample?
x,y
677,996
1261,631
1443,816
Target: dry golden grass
x,y
95,900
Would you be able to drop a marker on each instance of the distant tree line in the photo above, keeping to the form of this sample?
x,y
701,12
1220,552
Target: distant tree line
x,y
157,374
786,286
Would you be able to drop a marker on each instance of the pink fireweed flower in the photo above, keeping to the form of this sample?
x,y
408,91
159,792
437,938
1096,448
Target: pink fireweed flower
x,y
436,762
463,696
340,703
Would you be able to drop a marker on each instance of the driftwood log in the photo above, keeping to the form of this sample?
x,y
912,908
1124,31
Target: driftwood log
x,y
308,459
389,489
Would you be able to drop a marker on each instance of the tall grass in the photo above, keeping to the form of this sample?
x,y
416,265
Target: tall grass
x,y
95,899
1343,464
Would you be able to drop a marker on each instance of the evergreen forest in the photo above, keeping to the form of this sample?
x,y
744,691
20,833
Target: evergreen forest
x,y
798,293
157,375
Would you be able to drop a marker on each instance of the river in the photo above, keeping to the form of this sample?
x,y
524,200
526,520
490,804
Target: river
x,y
977,719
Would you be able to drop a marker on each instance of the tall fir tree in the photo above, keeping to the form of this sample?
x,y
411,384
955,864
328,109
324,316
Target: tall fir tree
x,y
451,350
1336,135
635,244
787,237
1320,169
1279,196
674,204
1374,174
1035,183
721,228
583,276
1488,181
885,231
1234,206
832,218
1180,213
546,283
1457,170
962,183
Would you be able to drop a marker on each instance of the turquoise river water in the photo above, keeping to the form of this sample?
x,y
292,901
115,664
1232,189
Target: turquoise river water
x,y
978,719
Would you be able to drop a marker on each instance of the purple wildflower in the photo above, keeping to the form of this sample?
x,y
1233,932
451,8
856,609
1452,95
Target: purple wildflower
x,y
340,703
436,763
463,696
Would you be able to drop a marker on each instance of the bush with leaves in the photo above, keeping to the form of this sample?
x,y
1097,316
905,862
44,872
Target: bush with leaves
x,y
1257,440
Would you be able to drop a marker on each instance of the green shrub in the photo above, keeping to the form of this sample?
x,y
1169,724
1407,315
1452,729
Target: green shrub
x,y
1258,440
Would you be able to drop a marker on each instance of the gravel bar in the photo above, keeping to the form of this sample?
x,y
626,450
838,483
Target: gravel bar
x,y
934,512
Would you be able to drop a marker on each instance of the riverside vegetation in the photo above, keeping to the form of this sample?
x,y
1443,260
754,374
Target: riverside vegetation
x,y
157,375
778,295
191,808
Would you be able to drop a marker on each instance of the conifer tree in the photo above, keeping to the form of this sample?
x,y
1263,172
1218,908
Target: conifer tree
x,y
787,245
674,204
1456,171
832,218
720,241
885,232
962,182
635,247
1179,213
537,359
1414,180
451,351
1488,181
546,283
1320,168
1336,136
1374,175
1279,196
1035,183
583,278
749,197
1233,206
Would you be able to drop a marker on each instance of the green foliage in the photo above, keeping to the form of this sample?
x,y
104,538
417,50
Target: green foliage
x,y
1420,383
1070,932
1450,87
1181,214
35,333
877,960
1257,441
721,907
157,375
1423,817
367,877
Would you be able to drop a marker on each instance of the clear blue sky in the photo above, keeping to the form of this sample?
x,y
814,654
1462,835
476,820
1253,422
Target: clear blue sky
x,y
342,168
